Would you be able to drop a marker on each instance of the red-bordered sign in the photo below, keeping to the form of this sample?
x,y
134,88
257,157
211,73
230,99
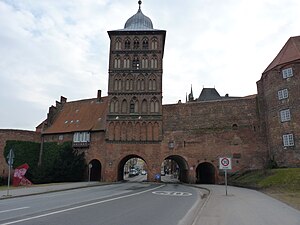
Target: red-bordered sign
x,y
225,163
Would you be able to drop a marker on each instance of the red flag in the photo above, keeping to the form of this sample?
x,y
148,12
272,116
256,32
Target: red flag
x,y
19,175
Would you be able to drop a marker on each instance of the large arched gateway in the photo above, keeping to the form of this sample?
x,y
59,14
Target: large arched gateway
x,y
128,163
205,173
182,169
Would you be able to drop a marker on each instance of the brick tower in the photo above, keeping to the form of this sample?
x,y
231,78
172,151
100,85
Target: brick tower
x,y
135,82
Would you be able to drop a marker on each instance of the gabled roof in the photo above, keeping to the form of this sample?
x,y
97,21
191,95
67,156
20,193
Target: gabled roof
x,y
290,52
82,115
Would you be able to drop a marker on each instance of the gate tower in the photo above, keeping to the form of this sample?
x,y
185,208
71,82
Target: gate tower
x,y
135,82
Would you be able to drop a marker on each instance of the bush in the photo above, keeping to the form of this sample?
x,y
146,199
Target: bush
x,y
60,163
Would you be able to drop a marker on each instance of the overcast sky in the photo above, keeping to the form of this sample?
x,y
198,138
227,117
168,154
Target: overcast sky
x,y
50,48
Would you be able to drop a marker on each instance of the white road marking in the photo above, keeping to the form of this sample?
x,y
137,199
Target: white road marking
x,y
172,193
9,210
81,206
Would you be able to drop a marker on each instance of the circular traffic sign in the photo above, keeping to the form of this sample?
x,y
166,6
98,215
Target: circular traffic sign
x,y
225,162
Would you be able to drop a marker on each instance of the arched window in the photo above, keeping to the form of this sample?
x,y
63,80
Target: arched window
x,y
124,106
135,63
145,62
144,106
154,44
140,83
118,44
127,43
134,106
114,105
126,62
117,62
145,43
118,83
153,63
136,43
154,105
152,83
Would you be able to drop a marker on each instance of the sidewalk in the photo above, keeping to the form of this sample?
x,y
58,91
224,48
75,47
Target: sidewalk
x,y
33,190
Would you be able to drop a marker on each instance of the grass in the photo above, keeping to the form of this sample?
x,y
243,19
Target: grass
x,y
282,184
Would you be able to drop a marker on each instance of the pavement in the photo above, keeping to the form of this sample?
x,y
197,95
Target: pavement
x,y
39,189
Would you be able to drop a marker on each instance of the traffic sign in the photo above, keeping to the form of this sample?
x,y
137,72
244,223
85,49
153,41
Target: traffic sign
x,y
10,157
225,163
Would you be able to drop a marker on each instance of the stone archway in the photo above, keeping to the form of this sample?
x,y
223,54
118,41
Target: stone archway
x,y
205,173
95,170
122,163
183,168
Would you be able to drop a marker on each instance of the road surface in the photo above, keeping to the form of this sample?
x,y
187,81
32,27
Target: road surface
x,y
118,204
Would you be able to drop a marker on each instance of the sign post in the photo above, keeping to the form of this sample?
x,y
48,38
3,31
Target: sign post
x,y
10,162
90,167
225,164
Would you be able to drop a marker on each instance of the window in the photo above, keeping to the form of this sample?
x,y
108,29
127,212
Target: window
x,y
145,44
127,44
283,94
124,106
154,106
118,84
131,107
286,73
118,44
61,137
154,44
114,105
153,63
135,63
285,115
117,63
144,106
144,62
126,62
288,140
136,43
152,84
81,137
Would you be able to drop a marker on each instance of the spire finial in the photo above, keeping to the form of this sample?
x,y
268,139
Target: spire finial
x,y
140,2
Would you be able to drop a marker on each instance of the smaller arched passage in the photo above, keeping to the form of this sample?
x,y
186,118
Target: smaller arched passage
x,y
183,169
122,163
206,173
95,170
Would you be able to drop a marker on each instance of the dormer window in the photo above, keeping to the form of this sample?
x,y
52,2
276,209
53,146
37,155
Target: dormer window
x,y
286,73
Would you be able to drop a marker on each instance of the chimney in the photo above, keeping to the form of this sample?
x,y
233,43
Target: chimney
x,y
99,96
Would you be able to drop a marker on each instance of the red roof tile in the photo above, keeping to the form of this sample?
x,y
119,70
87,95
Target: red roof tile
x,y
82,115
290,52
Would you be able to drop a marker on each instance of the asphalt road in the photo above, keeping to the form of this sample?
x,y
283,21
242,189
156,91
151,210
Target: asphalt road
x,y
118,204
